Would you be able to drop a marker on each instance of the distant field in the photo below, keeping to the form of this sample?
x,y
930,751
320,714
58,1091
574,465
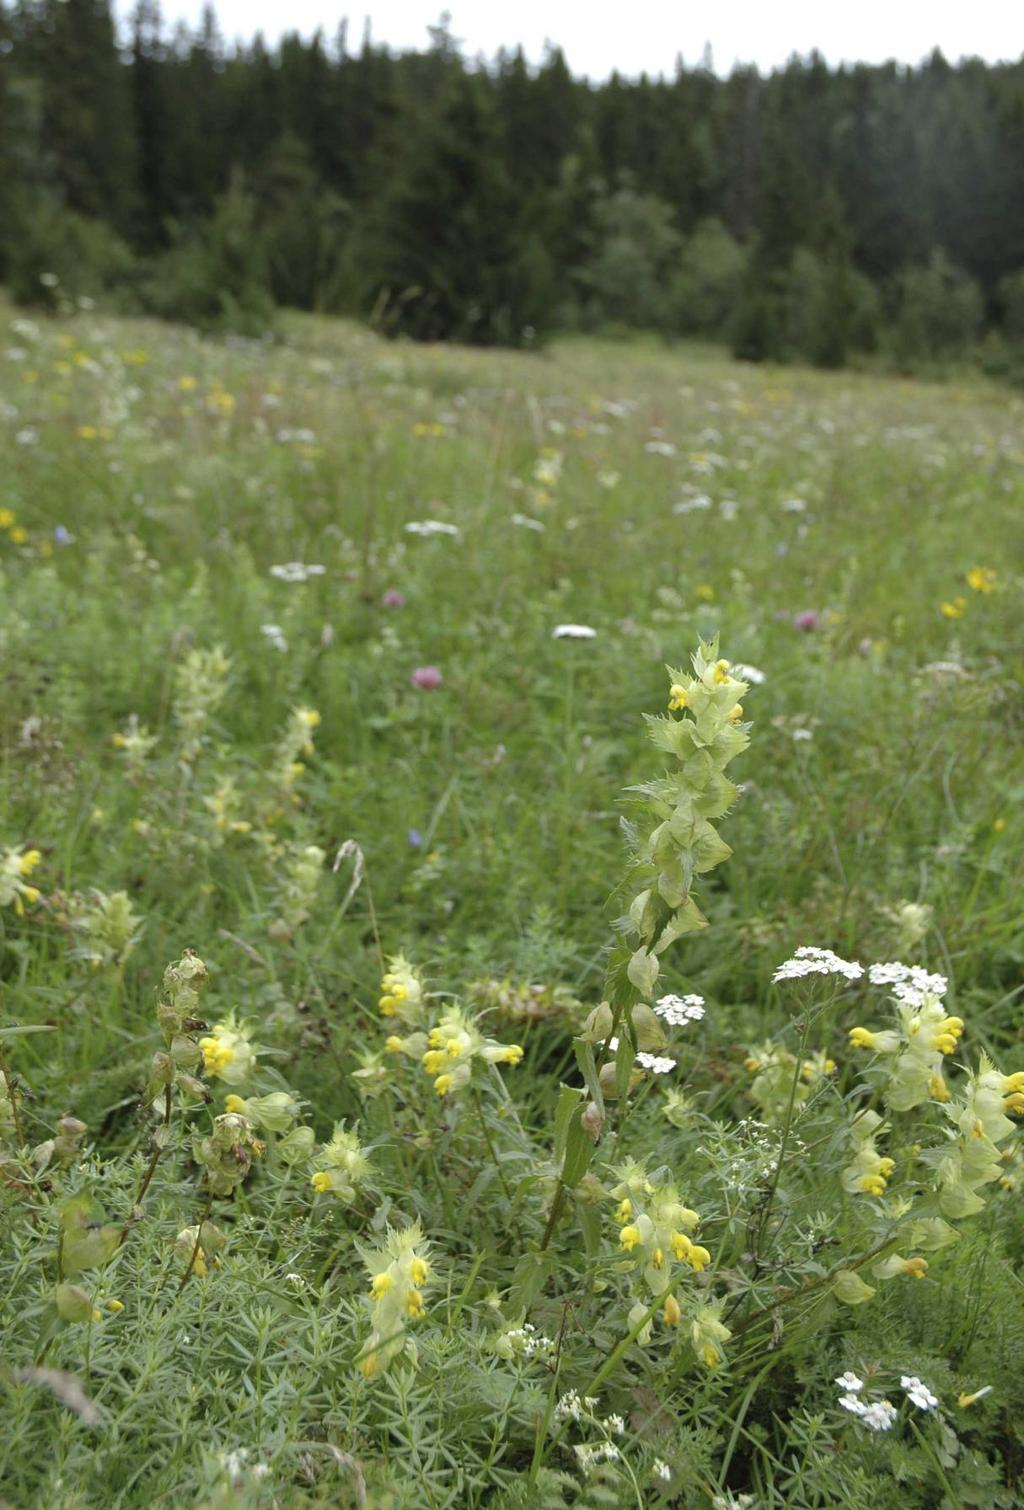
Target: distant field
x,y
385,538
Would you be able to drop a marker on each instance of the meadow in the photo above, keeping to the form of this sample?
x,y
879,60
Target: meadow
x,y
405,1099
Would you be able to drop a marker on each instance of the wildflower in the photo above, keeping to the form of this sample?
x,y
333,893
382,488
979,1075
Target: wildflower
x,y
401,992
914,1268
678,1011
749,674
571,1406
302,872
573,632
393,598
965,1401
868,1171
275,635
806,621
227,1052
226,1153
953,609
15,865
677,699
707,1333
201,682
108,926
296,571
662,1471
399,1270
426,678
454,1044
981,579
274,1112
879,1416
200,1244
850,1383
343,1166
657,1064
809,960
917,1393
428,527
135,742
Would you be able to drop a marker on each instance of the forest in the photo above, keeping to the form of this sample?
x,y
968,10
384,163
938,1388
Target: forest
x,y
814,213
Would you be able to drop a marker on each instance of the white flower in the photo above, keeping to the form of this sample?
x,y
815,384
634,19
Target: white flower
x,y
298,437
879,1416
692,505
296,571
660,448
27,437
655,1063
852,1404
571,1407
573,632
527,523
680,1010
850,1383
917,1393
662,1471
276,635
428,527
910,983
744,673
793,506
809,960
615,1424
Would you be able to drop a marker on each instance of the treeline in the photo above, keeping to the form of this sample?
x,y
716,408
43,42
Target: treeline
x,y
812,213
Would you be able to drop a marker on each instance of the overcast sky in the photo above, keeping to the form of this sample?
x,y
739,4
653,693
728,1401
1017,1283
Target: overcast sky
x,y
648,34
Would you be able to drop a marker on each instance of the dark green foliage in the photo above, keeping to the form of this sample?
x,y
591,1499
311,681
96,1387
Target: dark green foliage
x,y
56,257
489,203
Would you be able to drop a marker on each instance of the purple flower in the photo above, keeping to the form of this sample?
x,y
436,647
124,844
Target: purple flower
x,y
62,535
415,838
393,598
807,620
427,678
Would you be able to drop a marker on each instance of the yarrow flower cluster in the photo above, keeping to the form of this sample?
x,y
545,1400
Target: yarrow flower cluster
x,y
296,571
678,1011
524,1342
810,960
428,527
573,632
924,1033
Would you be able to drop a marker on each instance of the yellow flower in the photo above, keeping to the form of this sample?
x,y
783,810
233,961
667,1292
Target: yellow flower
x,y
19,535
981,579
917,1268
720,672
705,592
432,1061
677,698
873,1184
414,1304
87,432
216,1055
628,1238
115,1306
681,1245
624,1211
673,1311
443,1084
309,716
187,384
29,860
512,1055
369,1366
380,1285
966,1400
735,713
393,1044
418,1271
955,609
321,1181
234,1104
6,518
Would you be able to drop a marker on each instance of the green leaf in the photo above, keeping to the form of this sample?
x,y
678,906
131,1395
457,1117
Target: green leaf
x,y
578,1153
568,1102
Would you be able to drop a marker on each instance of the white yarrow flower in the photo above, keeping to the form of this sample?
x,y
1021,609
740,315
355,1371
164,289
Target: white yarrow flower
x,y
428,527
850,1383
573,632
809,960
917,1393
656,1063
680,1010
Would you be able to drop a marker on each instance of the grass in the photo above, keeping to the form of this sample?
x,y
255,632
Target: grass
x,y
153,481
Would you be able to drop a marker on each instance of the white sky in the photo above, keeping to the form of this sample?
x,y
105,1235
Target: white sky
x,y
646,34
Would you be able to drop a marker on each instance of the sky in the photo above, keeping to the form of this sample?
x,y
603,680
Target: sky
x,y
649,34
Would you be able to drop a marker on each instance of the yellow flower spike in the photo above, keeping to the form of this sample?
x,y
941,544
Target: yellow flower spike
x,y
628,1238
681,1245
917,1268
321,1182
418,1271
677,698
234,1104
435,1038
393,1043
432,1061
381,1286
624,1211
886,1167
946,1043
443,1084
673,1311
414,1304
387,1005
954,1026
873,1184
698,1258
861,1038
29,860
